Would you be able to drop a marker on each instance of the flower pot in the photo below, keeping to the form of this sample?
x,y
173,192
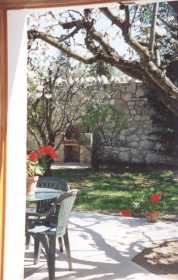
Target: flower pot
x,y
152,216
31,184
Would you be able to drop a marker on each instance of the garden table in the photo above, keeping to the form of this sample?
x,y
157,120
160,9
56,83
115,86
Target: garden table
x,y
42,194
40,199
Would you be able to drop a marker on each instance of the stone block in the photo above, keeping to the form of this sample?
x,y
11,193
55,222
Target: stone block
x,y
124,156
133,138
126,96
134,144
145,144
152,158
137,156
140,92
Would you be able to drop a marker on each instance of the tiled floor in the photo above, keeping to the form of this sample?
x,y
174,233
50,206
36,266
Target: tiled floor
x,y
103,247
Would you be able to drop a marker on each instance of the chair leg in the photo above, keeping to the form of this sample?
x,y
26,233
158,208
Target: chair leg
x,y
51,256
27,234
67,247
60,244
49,244
27,241
37,250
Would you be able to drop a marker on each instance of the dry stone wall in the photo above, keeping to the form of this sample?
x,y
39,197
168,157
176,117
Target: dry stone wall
x,y
138,143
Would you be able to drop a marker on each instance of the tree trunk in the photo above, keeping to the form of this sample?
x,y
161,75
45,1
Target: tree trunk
x,y
95,151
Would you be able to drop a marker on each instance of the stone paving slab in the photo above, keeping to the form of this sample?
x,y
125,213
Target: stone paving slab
x,y
103,246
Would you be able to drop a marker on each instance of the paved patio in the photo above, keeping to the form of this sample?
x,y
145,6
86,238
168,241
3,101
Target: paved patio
x,y
103,247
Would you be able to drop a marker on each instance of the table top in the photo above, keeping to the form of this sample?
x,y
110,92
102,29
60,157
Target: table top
x,y
41,194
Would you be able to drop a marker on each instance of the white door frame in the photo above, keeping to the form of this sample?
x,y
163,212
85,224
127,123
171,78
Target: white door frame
x,y
16,145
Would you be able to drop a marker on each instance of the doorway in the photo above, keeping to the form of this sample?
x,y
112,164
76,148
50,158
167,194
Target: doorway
x,y
72,153
16,142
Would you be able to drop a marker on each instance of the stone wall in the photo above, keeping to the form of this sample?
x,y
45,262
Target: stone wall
x,y
139,142
142,141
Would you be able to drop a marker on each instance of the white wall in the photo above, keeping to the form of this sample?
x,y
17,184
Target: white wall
x,y
16,140
16,146
16,152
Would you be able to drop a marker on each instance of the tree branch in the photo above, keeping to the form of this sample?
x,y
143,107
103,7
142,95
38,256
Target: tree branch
x,y
35,135
69,25
151,72
153,25
144,68
33,34
171,26
125,27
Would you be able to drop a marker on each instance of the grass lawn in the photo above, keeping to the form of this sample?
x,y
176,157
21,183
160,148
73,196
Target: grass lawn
x,y
114,191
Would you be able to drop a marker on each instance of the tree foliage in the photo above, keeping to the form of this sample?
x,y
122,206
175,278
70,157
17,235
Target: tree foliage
x,y
57,98
106,120
62,96
135,39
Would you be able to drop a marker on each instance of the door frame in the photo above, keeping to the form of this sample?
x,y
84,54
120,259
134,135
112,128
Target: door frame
x,y
3,129
5,6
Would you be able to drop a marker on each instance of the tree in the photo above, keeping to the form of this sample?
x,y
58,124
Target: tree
x,y
134,44
61,96
104,120
57,99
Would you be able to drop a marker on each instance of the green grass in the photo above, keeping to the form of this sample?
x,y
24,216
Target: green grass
x,y
107,191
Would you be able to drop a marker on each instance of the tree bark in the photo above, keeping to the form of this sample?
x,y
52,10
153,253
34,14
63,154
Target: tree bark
x,y
95,164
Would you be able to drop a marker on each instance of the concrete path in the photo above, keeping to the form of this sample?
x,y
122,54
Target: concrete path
x,y
74,166
103,247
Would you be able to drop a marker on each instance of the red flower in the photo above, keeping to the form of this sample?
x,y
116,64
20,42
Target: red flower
x,y
48,151
33,156
155,197
54,155
126,213
45,150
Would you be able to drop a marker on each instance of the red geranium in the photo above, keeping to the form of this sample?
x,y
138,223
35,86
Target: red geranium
x,y
45,150
126,213
48,151
54,155
155,197
38,162
33,156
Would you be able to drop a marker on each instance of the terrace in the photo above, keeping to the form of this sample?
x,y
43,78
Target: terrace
x,y
103,246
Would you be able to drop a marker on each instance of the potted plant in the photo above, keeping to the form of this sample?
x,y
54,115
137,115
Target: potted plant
x,y
152,212
38,164
126,212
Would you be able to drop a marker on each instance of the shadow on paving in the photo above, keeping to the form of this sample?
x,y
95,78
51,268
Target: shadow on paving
x,y
103,255
161,259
